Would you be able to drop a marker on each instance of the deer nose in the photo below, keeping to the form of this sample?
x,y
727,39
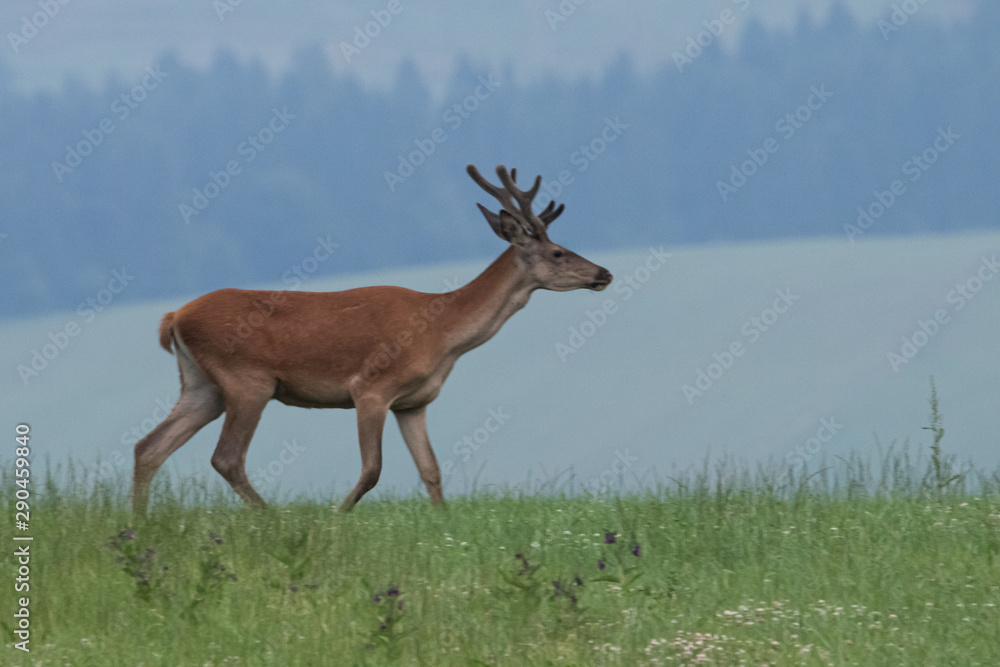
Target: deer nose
x,y
602,280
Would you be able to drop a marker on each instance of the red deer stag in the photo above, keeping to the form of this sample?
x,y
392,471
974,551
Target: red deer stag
x,y
373,349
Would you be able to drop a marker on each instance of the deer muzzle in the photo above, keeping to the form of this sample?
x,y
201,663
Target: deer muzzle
x,y
602,280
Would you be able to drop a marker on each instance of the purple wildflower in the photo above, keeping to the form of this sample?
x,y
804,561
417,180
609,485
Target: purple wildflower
x,y
609,538
635,550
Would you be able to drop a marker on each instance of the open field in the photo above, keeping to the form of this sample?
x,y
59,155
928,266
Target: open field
x,y
745,569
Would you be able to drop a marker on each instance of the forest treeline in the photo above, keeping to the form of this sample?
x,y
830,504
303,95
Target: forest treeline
x,y
192,179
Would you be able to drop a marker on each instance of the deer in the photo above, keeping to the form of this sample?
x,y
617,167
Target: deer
x,y
374,349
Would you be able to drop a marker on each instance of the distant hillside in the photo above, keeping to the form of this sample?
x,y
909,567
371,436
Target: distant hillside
x,y
788,344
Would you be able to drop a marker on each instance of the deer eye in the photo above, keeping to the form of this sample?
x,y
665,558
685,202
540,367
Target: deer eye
x,y
558,253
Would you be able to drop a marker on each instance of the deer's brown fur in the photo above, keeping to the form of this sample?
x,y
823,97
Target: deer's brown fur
x,y
374,349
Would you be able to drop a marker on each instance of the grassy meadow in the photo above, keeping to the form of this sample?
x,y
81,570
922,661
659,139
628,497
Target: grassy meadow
x,y
848,566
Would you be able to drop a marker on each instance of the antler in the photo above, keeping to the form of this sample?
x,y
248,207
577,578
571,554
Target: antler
x,y
551,212
510,195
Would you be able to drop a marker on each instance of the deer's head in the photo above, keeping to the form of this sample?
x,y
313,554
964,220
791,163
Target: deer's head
x,y
548,264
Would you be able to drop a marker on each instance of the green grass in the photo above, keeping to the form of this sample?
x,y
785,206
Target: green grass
x,y
848,569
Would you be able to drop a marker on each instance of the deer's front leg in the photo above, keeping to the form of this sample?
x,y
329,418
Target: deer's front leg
x,y
413,425
371,420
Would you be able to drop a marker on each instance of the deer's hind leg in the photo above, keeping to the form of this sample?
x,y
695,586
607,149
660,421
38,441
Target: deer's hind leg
x,y
200,402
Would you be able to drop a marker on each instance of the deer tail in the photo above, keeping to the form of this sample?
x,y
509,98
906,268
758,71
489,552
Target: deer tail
x,y
167,332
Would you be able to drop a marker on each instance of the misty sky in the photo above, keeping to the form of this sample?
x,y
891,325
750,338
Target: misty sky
x,y
88,40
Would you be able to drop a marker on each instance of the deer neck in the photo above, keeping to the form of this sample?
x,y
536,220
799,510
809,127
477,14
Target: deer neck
x,y
481,307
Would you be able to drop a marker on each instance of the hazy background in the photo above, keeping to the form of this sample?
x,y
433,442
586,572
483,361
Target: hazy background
x,y
118,121
98,37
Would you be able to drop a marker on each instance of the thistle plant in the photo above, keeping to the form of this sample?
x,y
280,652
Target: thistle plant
x,y
138,562
941,468
619,562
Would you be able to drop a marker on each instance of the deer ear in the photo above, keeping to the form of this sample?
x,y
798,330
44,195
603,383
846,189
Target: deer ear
x,y
511,230
491,218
